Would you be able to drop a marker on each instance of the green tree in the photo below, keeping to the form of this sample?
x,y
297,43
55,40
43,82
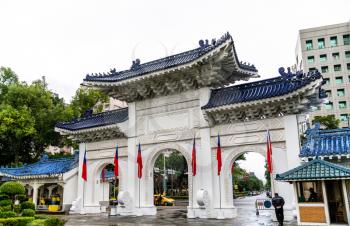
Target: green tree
x,y
87,98
29,113
328,121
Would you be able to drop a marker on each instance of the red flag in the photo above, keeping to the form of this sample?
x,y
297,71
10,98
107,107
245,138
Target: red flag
x,y
269,152
233,168
116,163
139,163
194,161
84,169
218,156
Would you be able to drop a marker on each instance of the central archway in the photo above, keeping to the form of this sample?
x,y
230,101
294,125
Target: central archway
x,y
149,175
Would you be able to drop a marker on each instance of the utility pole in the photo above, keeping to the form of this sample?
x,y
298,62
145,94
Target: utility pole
x,y
164,174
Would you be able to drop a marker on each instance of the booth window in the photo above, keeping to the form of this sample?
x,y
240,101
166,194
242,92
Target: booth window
x,y
310,191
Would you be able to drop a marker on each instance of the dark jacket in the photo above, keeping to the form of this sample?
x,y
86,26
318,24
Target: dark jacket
x,y
278,202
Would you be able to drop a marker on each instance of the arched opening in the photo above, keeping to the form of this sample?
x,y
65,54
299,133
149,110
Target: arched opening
x,y
170,180
108,187
248,174
50,197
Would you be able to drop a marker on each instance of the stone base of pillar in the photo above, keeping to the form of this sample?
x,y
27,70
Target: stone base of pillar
x,y
92,209
216,213
144,210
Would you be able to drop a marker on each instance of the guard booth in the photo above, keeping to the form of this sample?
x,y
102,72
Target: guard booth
x,y
322,191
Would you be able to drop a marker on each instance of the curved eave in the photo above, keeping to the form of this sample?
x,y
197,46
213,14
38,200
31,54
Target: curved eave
x,y
87,130
227,44
313,179
312,86
58,175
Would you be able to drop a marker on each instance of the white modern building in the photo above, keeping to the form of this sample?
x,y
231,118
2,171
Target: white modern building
x,y
327,49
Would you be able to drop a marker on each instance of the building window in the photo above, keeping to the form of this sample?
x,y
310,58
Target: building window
x,y
347,54
329,93
346,39
340,92
312,69
323,57
328,81
348,66
328,106
309,45
337,67
343,117
349,78
310,59
335,56
310,191
324,69
320,43
339,80
334,41
342,104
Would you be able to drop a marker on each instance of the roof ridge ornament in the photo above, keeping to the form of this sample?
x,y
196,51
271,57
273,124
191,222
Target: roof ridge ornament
x,y
136,64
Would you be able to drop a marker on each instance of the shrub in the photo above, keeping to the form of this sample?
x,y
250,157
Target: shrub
x,y
27,205
6,202
7,214
54,221
18,221
12,188
17,208
22,198
6,208
38,222
28,213
4,197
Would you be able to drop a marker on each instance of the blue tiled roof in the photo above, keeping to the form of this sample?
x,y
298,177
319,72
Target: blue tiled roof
x,y
315,170
326,142
273,87
96,120
138,69
44,167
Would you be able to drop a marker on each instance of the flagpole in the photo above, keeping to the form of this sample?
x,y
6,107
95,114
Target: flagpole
x,y
220,189
139,194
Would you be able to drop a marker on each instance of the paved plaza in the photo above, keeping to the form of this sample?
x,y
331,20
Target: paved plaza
x,y
177,216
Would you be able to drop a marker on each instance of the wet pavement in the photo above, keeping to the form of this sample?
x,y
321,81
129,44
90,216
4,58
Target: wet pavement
x,y
177,216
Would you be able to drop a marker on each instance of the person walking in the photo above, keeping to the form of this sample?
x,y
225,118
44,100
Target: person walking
x,y
278,203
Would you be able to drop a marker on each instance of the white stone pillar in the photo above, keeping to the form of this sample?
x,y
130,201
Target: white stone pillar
x,y
50,188
284,160
81,186
204,179
132,184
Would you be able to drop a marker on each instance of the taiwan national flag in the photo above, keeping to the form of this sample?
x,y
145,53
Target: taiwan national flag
x,y
116,163
84,169
218,156
139,163
194,161
269,152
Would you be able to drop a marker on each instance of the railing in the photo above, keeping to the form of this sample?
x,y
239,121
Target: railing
x,y
263,204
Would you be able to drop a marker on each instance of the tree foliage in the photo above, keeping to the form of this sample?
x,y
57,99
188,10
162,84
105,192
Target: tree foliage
x,y
29,113
327,121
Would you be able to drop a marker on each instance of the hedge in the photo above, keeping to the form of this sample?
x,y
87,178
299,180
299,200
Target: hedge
x,y
27,205
6,202
16,221
6,208
4,197
7,214
38,222
28,213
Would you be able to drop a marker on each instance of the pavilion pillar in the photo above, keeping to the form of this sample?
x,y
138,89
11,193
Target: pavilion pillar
x,y
35,194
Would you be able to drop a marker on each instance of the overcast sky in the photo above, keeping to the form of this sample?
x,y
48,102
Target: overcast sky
x,y
66,39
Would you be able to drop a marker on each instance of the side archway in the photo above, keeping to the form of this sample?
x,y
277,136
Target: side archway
x,y
152,154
